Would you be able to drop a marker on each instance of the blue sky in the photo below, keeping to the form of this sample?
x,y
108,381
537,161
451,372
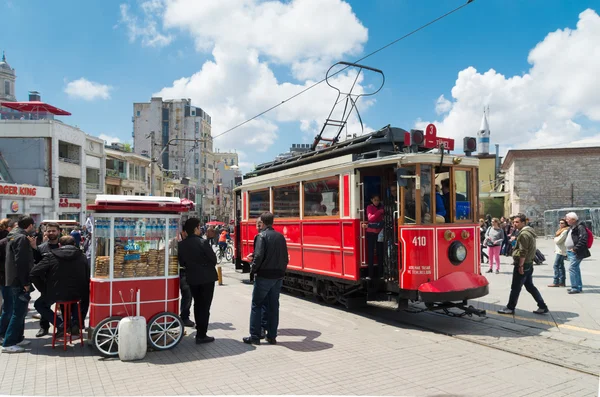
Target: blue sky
x,y
51,45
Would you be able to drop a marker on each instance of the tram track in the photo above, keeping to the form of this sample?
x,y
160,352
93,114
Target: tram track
x,y
385,312
468,330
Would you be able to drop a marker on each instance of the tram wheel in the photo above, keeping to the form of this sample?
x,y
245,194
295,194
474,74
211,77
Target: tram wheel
x,y
165,331
105,337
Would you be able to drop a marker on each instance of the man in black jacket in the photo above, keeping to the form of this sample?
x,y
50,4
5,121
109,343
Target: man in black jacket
x,y
19,260
577,250
53,233
269,263
199,260
65,275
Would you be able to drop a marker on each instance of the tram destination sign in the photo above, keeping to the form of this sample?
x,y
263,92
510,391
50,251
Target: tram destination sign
x,y
433,141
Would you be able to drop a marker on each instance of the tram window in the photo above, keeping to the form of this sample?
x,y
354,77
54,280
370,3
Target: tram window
x,y
286,201
410,198
463,182
259,202
321,197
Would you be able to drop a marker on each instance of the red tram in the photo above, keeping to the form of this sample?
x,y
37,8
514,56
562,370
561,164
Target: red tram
x,y
319,200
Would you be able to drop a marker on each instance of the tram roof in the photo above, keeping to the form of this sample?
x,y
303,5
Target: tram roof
x,y
384,146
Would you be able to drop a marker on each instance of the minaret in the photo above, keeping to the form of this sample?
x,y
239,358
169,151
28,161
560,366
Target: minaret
x,y
483,136
7,81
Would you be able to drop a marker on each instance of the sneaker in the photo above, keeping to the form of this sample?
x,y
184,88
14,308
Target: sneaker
x,y
188,323
497,271
272,341
573,291
263,333
506,310
539,310
251,341
24,343
490,271
37,316
41,332
562,285
205,339
13,349
75,330
553,285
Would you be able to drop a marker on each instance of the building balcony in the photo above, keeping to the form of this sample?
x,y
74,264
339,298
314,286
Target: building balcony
x,y
68,195
92,185
68,160
116,174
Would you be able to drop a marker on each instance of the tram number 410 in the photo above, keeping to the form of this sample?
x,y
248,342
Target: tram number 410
x,y
419,241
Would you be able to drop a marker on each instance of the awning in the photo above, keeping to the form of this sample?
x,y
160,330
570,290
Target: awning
x,y
35,107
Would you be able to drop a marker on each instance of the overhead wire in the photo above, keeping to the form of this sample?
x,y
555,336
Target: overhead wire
x,y
341,70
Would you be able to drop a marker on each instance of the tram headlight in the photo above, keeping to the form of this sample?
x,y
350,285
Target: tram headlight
x,y
457,253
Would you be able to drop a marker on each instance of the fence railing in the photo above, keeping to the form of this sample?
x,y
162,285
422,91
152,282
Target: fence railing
x,y
589,215
68,160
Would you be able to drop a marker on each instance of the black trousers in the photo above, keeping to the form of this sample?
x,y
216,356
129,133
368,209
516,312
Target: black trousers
x,y
203,296
520,280
372,246
186,297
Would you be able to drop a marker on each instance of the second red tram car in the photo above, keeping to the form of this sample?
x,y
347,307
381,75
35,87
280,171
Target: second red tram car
x,y
319,199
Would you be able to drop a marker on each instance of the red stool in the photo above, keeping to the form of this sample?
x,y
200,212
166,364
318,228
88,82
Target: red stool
x,y
65,308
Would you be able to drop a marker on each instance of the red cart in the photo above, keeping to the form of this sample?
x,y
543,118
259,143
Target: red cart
x,y
135,255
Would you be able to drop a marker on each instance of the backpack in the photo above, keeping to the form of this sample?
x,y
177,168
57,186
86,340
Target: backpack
x,y
590,239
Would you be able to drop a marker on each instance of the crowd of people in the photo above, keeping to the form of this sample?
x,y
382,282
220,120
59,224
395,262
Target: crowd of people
x,y
57,268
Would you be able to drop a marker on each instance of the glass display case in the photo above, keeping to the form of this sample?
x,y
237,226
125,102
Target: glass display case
x,y
136,246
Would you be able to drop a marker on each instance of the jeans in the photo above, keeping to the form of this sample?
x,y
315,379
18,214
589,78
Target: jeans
x,y
494,256
6,308
372,245
520,280
574,271
203,296
186,297
267,291
16,309
559,269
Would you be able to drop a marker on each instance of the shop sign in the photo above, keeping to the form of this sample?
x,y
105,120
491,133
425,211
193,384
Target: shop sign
x,y
16,190
14,206
64,203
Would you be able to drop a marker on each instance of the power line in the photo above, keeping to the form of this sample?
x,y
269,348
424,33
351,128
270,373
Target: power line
x,y
341,70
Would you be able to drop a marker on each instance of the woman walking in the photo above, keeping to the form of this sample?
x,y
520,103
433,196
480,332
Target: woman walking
x,y
560,249
493,240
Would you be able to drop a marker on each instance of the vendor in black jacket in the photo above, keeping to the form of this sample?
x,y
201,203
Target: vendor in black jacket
x,y
66,276
199,260
269,263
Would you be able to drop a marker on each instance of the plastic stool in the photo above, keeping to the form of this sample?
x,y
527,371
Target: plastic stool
x,y
65,308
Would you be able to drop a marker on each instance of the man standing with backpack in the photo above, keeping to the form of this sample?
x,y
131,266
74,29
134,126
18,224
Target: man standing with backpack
x,y
577,250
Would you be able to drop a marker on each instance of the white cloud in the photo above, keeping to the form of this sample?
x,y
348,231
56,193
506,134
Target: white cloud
x,y
87,90
109,139
442,105
541,108
246,39
147,30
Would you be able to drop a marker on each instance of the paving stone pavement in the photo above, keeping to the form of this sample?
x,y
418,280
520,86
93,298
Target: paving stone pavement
x,y
321,350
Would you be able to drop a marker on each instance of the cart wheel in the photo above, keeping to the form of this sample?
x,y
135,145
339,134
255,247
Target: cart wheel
x,y
165,331
105,337
229,254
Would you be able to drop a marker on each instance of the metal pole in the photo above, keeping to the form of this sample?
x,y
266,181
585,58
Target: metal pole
x,y
152,160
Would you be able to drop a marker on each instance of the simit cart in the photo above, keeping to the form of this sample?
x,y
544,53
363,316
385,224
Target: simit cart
x,y
134,263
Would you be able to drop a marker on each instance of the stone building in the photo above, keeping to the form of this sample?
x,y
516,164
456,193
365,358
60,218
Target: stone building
x,y
542,179
126,173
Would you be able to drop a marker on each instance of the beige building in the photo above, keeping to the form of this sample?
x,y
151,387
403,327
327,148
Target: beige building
x,y
126,173
542,179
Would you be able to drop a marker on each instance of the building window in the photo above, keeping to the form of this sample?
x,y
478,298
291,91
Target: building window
x,y
259,202
286,201
463,183
321,197
138,113
7,88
